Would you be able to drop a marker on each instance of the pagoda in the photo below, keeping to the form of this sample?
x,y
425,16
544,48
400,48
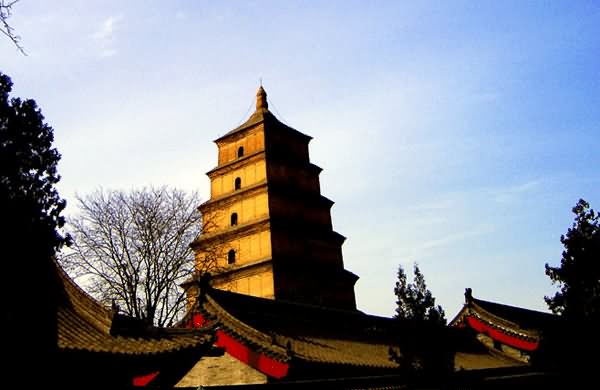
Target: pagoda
x,y
267,230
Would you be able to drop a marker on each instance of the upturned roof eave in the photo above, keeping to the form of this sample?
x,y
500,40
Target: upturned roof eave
x,y
243,330
272,342
256,118
85,325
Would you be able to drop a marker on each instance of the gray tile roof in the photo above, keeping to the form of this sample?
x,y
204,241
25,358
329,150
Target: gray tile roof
x,y
86,325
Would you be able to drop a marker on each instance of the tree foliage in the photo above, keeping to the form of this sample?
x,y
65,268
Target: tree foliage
x,y
424,352
30,210
579,272
28,170
133,248
414,301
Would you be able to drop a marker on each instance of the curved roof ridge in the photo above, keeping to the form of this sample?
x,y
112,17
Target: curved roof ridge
x,y
84,324
82,302
515,308
524,319
480,310
248,332
343,347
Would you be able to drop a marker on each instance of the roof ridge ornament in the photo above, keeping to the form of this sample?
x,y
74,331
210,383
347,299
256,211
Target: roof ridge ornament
x,y
261,99
468,295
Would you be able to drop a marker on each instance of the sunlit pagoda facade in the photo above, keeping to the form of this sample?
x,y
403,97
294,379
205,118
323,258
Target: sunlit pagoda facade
x,y
267,229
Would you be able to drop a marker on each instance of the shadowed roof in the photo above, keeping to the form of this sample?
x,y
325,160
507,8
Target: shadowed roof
x,y
288,330
86,325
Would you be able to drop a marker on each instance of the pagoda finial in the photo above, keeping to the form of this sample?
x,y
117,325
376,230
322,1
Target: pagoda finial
x,y
261,99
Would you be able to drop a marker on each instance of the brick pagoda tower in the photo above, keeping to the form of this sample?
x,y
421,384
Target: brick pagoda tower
x,y
266,224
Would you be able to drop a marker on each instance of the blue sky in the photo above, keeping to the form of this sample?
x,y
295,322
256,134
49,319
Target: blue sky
x,y
457,135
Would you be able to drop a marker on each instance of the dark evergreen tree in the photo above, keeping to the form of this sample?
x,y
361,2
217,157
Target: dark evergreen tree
x,y
424,353
579,272
414,301
28,170
30,209
569,345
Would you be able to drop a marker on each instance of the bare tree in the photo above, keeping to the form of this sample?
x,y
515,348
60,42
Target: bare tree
x,y
134,249
5,28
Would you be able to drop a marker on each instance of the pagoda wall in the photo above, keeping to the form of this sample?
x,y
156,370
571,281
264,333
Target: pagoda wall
x,y
256,281
252,141
249,208
249,174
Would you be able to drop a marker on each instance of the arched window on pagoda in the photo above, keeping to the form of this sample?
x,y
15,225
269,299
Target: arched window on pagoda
x,y
231,257
238,183
240,151
234,219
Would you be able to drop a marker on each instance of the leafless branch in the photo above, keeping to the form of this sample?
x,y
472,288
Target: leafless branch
x,y
134,248
5,28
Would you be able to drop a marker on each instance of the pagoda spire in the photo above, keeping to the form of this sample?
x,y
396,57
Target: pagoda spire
x,y
261,100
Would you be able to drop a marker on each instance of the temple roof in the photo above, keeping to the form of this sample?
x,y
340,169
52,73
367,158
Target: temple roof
x,y
289,330
86,325
483,359
262,115
513,331
525,318
509,317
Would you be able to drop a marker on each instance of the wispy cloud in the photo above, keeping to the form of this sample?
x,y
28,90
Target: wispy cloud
x,y
105,36
453,238
437,205
512,193
505,194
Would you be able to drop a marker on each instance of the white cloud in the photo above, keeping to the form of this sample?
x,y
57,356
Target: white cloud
x,y
105,36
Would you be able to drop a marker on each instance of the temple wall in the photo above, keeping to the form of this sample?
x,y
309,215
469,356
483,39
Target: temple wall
x,y
222,370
